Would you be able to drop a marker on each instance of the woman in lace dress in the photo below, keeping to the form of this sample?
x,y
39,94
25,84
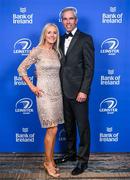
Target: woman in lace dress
x,y
48,89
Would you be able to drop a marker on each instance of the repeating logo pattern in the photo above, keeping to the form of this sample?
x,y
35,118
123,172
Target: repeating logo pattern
x,y
108,105
22,46
24,106
110,46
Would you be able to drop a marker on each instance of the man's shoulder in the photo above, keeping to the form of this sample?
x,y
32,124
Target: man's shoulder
x,y
84,34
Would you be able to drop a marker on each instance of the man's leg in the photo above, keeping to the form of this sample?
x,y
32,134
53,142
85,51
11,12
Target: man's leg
x,y
81,117
70,126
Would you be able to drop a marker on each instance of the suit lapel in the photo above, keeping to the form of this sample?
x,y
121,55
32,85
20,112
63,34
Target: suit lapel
x,y
73,41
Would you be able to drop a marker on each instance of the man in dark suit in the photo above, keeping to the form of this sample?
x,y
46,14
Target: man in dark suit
x,y
76,75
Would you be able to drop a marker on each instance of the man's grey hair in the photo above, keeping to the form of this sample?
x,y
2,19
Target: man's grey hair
x,y
68,9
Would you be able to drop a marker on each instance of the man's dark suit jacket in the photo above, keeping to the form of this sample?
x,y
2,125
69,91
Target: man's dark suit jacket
x,y
77,65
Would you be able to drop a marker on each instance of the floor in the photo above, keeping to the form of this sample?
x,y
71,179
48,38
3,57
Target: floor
x,y
111,166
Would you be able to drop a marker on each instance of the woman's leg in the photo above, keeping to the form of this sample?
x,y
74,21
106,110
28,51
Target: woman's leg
x,y
49,142
53,145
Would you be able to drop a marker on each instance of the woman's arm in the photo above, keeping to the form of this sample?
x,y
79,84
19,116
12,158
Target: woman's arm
x,y
33,88
22,70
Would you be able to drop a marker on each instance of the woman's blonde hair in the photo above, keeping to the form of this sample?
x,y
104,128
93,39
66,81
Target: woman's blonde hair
x,y
42,38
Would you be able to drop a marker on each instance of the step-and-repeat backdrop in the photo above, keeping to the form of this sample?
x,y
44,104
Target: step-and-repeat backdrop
x,y
21,22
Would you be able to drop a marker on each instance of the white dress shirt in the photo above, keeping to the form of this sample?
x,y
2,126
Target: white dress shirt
x,y
68,40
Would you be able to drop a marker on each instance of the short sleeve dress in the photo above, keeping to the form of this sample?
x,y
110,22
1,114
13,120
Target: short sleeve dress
x,y
50,104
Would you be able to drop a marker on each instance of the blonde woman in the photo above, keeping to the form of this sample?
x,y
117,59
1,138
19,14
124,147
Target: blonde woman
x,y
47,90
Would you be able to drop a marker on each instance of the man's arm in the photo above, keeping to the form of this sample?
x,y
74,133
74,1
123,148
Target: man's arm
x,y
88,65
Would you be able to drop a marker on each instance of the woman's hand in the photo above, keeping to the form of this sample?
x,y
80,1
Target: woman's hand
x,y
38,92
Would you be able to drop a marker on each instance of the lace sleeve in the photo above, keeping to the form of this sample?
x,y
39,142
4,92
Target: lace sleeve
x,y
27,62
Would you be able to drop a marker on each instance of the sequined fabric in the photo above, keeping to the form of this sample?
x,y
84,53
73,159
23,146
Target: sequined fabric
x,y
50,105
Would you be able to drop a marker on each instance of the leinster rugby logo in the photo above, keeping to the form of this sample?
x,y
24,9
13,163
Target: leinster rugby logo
x,y
108,105
22,46
110,46
24,106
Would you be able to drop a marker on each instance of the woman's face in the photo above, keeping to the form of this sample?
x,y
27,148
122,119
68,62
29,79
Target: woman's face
x,y
51,35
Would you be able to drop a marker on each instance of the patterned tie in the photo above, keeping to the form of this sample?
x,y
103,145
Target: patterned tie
x,y
67,35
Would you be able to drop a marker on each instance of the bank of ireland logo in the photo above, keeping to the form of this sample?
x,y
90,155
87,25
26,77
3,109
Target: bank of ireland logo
x,y
22,46
109,136
109,129
23,9
112,17
108,105
110,46
25,136
22,17
24,106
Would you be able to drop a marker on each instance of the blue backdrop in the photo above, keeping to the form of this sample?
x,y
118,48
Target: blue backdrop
x,y
21,23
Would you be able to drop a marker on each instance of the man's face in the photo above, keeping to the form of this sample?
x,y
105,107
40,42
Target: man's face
x,y
69,21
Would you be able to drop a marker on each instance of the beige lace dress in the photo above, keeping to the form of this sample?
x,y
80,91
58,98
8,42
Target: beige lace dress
x,y
50,105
